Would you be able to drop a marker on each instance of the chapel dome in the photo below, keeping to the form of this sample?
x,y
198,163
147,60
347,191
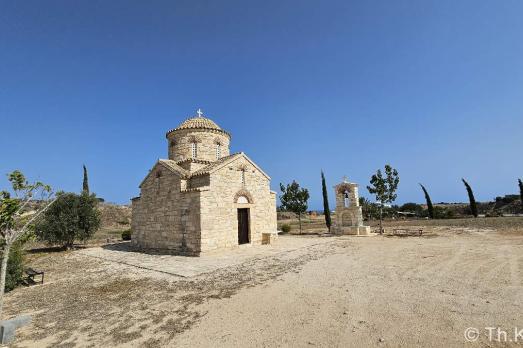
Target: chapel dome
x,y
198,122
198,138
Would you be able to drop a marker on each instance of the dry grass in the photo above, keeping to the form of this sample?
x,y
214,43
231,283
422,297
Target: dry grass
x,y
501,224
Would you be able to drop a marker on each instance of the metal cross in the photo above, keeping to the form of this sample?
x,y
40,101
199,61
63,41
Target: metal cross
x,y
199,112
345,179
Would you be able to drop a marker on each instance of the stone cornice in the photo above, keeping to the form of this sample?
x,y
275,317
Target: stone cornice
x,y
209,130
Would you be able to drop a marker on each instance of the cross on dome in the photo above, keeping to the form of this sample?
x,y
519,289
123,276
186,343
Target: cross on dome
x,y
199,112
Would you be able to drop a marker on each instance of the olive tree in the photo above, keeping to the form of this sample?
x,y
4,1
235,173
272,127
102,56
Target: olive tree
x,y
72,217
19,210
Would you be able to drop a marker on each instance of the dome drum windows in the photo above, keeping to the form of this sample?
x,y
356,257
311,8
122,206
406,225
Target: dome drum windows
x,y
194,150
194,141
218,148
218,151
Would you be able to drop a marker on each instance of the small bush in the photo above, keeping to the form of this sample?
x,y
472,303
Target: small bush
x,y
444,213
126,235
494,213
71,217
285,228
15,267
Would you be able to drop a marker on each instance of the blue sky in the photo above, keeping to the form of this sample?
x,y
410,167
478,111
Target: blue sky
x,y
435,88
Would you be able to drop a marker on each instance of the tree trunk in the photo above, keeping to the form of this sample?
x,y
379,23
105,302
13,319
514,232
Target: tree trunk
x,y
299,219
69,245
3,272
381,219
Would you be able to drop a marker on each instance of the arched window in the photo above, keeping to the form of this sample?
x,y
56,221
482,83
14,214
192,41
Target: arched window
x,y
346,199
194,148
242,200
243,197
218,151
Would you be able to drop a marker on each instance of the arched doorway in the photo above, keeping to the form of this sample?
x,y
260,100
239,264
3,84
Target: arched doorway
x,y
243,200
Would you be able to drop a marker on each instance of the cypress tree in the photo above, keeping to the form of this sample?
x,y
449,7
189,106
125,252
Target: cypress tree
x,y
430,207
85,188
521,192
326,209
473,206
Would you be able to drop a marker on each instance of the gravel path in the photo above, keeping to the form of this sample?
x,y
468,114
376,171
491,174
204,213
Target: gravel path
x,y
345,291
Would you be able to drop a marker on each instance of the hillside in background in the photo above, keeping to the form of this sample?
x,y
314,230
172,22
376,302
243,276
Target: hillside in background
x,y
115,216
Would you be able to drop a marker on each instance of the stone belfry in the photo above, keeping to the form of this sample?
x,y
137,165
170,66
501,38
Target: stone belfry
x,y
349,218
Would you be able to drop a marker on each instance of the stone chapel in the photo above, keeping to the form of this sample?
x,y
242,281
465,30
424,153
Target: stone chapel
x,y
202,197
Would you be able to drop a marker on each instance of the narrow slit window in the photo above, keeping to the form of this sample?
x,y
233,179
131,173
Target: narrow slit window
x,y
218,151
242,176
194,150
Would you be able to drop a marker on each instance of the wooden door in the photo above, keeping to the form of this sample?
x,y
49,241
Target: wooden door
x,y
243,225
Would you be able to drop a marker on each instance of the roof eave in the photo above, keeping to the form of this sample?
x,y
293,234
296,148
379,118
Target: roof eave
x,y
214,130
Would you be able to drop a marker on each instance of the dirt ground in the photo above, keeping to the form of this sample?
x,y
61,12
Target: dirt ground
x,y
346,291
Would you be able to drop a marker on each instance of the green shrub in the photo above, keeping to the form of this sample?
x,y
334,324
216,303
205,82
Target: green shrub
x,y
15,267
71,217
285,228
444,213
126,235
494,213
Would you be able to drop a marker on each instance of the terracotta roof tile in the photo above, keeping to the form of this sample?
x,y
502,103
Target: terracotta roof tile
x,y
210,167
174,167
199,123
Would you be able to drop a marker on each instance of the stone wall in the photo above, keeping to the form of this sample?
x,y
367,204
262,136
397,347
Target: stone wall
x,y
219,215
163,217
199,181
193,165
180,144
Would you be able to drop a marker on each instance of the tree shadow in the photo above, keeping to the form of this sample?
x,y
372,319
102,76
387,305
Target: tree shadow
x,y
43,250
55,249
124,246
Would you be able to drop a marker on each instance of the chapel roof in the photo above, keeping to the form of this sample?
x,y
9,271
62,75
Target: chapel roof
x,y
169,165
199,122
208,168
174,167
223,161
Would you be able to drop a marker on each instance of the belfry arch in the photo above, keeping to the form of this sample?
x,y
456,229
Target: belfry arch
x,y
349,218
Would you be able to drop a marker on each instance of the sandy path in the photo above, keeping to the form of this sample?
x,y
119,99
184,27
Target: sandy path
x,y
406,292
